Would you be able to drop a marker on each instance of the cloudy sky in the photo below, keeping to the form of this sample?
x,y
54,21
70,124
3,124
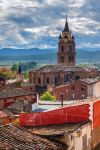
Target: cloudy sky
x,y
38,23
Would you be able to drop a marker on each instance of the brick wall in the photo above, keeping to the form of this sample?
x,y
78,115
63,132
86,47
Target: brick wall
x,y
72,91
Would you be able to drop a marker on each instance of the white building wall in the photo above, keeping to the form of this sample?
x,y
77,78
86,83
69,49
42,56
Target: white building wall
x,y
82,138
96,89
90,90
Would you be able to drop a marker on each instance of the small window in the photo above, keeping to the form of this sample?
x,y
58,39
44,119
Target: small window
x,y
56,81
73,87
82,87
62,48
77,77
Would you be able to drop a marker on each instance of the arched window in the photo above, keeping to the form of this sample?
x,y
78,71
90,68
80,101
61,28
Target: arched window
x,y
48,81
39,80
62,49
56,81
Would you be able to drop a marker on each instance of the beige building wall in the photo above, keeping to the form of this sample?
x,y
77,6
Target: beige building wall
x,y
90,90
94,89
82,138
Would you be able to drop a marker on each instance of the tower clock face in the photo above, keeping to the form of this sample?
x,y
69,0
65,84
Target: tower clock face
x,y
65,40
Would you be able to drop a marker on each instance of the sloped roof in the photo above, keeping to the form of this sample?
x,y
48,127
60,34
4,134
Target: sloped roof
x,y
66,28
20,105
13,92
17,138
58,68
91,80
56,130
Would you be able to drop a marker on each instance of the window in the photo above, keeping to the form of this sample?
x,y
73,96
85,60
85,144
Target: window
x,y
47,80
82,87
62,48
56,81
77,77
66,78
72,87
70,48
62,59
39,80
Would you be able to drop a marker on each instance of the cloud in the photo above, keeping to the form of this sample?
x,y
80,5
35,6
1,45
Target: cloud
x,y
37,23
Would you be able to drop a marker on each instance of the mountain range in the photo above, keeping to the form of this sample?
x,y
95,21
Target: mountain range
x,y
47,56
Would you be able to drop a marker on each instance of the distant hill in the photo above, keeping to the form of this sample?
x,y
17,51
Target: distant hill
x,y
45,56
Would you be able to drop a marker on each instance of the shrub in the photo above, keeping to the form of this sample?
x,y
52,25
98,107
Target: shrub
x,y
48,97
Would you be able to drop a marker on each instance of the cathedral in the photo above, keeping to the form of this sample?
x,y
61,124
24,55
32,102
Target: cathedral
x,y
66,69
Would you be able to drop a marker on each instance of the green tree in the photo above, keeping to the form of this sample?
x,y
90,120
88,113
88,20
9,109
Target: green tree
x,y
48,97
15,67
26,75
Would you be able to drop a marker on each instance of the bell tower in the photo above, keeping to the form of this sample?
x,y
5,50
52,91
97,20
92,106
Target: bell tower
x,y
66,47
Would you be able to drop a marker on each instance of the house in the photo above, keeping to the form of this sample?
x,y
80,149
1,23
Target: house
x,y
10,95
77,89
19,106
93,88
74,90
74,135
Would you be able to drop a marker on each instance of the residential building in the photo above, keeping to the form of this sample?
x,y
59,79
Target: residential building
x,y
75,135
75,90
10,95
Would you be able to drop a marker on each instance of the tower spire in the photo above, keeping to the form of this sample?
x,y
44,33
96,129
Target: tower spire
x,y
66,29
